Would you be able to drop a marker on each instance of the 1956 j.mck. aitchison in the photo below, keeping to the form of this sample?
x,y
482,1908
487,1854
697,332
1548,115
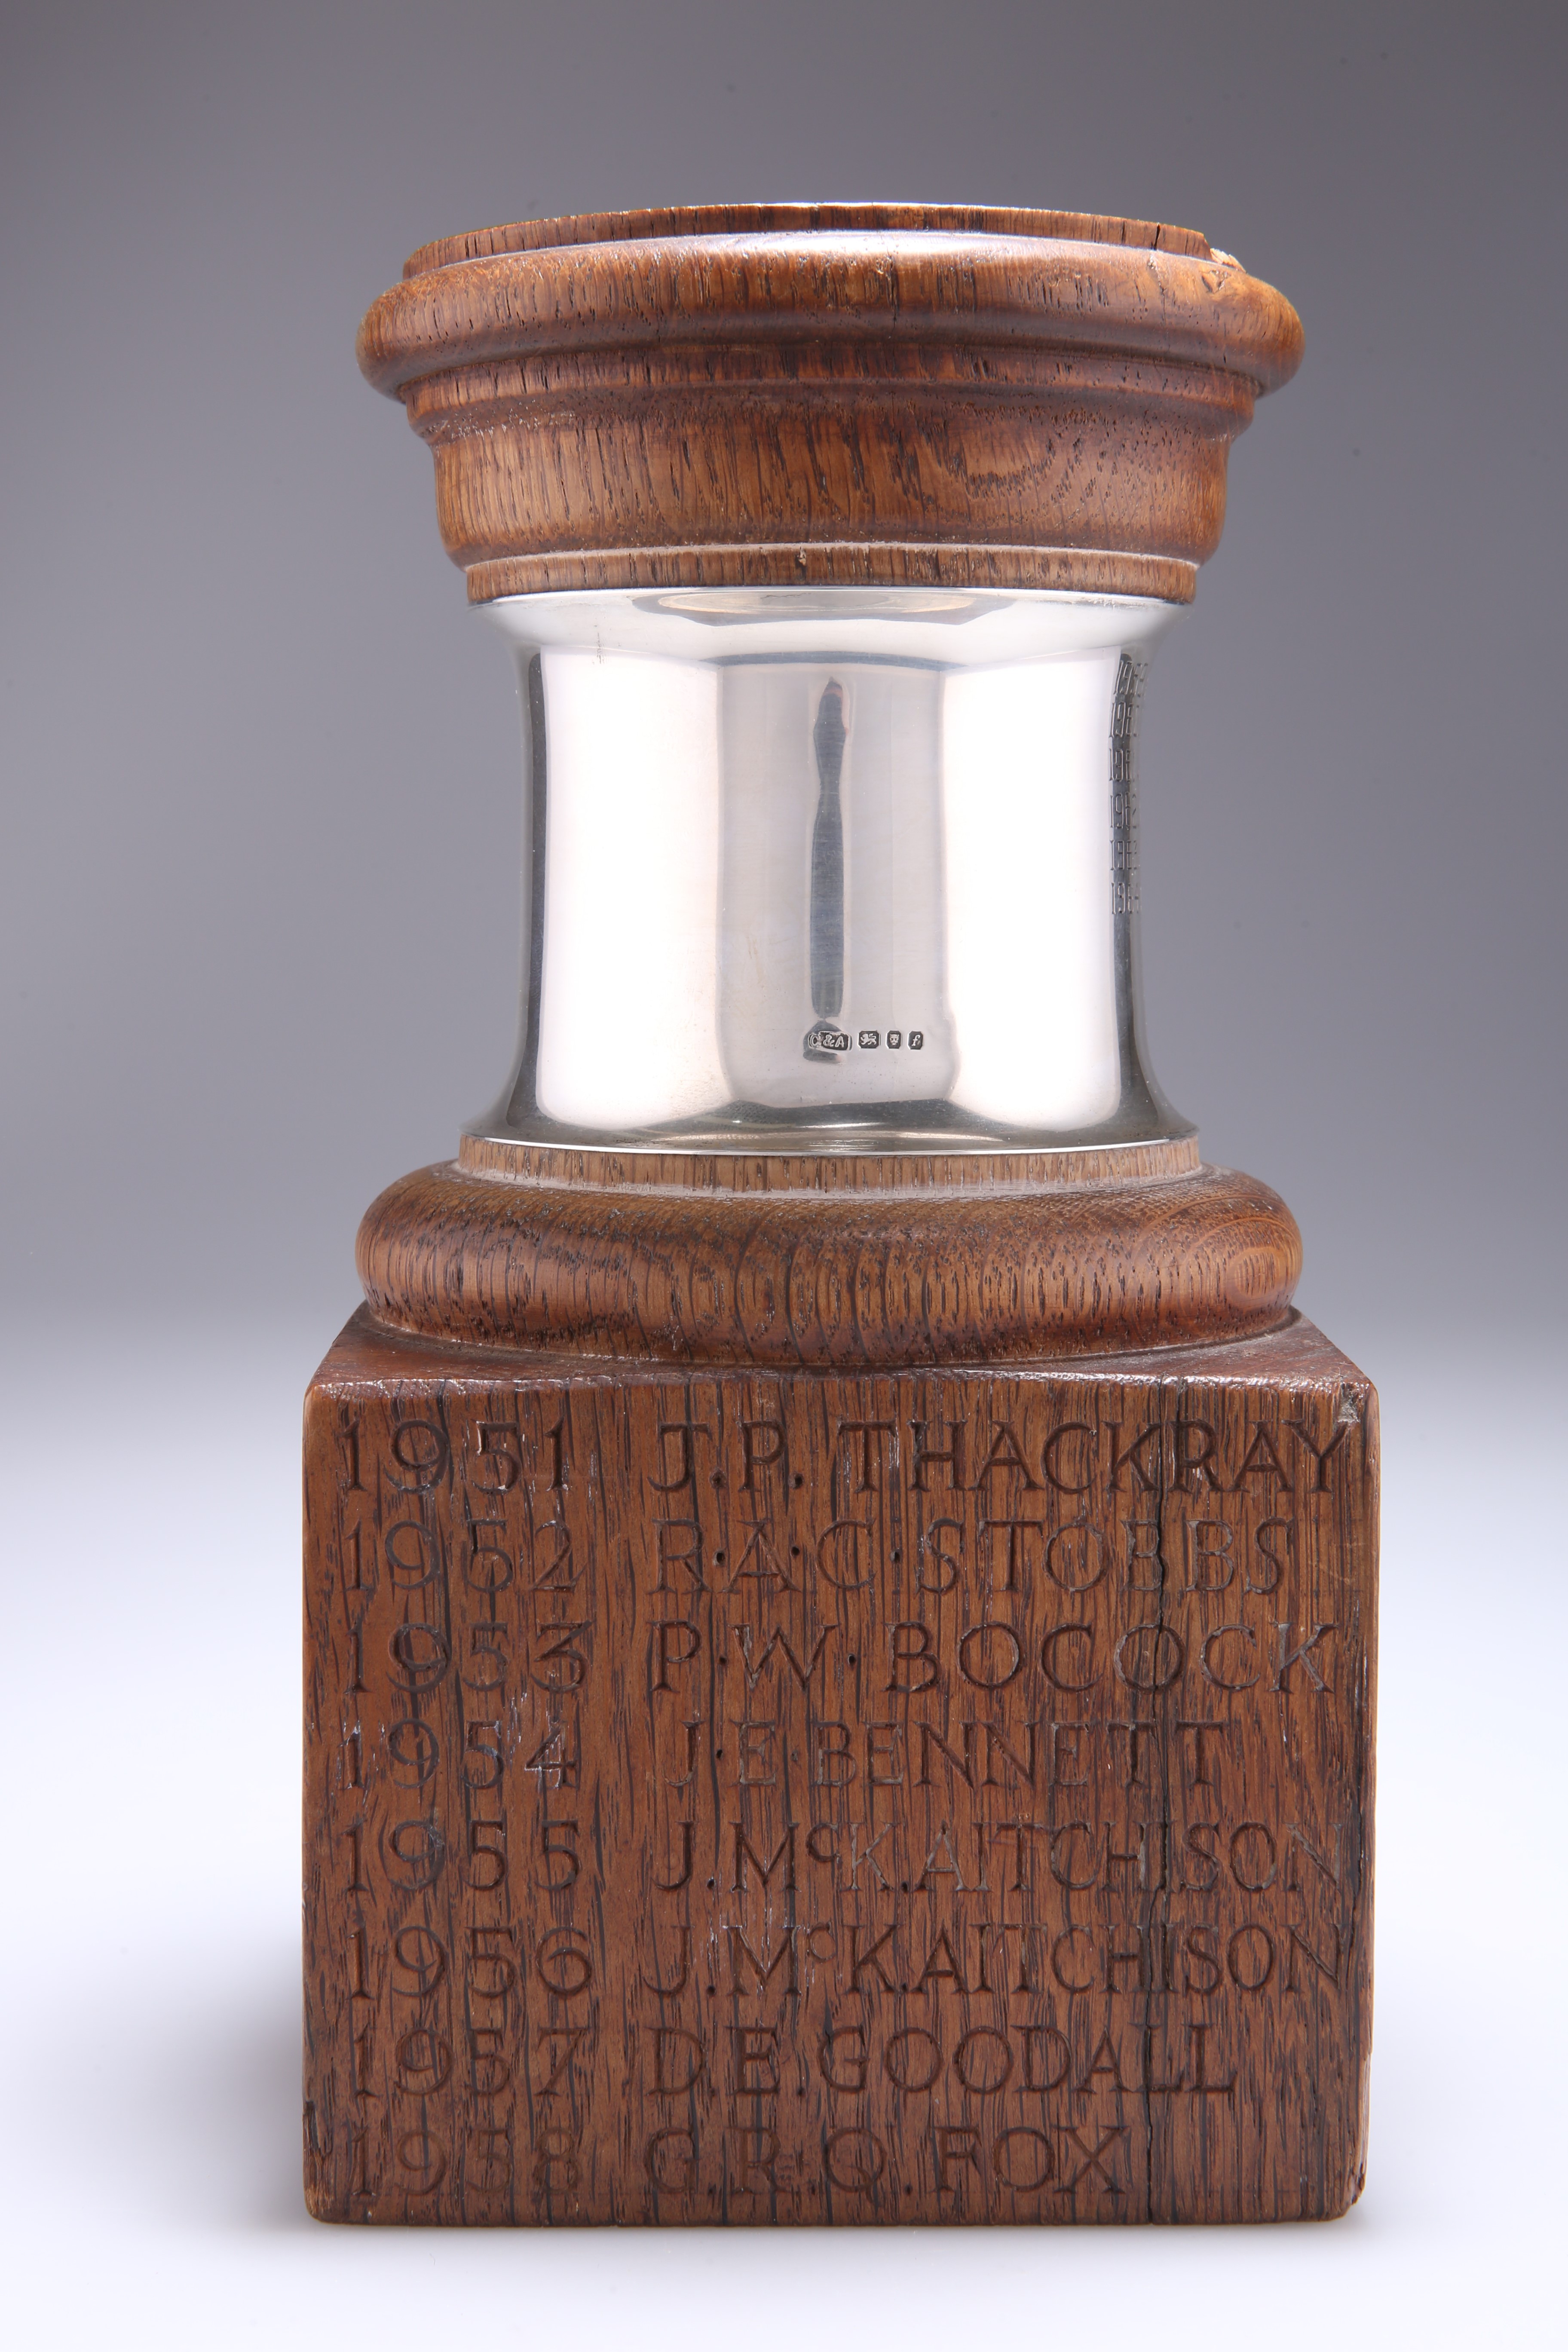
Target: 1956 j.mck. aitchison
x,y
839,1595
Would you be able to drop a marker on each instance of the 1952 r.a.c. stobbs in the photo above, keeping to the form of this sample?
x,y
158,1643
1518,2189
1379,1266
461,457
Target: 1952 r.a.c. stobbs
x,y
840,1598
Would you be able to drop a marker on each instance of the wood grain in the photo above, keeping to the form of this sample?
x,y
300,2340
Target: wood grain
x,y
841,394
982,1269
600,1169
737,220
821,1797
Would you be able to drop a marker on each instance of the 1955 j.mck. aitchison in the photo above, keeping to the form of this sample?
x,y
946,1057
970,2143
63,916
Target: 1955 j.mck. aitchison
x,y
839,1594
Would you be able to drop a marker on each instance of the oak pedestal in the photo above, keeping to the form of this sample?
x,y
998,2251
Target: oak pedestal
x,y
840,1599
928,1796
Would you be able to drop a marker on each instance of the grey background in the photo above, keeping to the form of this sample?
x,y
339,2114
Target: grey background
x,y
260,766
257,956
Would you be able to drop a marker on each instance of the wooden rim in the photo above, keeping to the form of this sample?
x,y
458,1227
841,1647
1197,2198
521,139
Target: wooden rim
x,y
884,1173
901,563
877,287
733,220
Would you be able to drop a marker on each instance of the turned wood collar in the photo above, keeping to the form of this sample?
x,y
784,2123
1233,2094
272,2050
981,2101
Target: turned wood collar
x,y
956,1262
894,394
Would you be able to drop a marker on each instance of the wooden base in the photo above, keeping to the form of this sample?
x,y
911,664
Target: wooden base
x,y
962,1259
765,1795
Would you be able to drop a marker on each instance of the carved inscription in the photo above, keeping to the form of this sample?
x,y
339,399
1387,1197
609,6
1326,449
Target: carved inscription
x,y
808,1798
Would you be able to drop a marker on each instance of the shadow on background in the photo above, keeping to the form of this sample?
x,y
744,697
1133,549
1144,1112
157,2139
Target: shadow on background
x,y
209,2106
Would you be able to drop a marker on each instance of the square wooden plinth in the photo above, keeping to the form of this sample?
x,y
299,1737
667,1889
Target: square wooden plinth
x,y
938,1797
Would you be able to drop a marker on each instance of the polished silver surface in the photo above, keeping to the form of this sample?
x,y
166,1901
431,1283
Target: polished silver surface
x,y
831,869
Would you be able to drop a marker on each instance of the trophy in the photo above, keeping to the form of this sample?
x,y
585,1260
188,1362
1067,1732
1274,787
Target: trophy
x,y
840,1596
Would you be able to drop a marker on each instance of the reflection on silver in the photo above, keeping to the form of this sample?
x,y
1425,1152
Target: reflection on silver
x,y
827,858
832,870
830,916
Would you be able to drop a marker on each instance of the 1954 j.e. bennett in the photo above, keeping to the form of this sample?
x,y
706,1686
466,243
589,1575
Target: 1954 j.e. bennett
x,y
839,1595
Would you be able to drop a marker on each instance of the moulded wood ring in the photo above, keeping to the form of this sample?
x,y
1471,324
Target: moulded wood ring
x,y
952,1273
749,394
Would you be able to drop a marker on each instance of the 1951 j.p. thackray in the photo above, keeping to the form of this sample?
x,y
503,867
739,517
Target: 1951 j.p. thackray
x,y
840,1598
